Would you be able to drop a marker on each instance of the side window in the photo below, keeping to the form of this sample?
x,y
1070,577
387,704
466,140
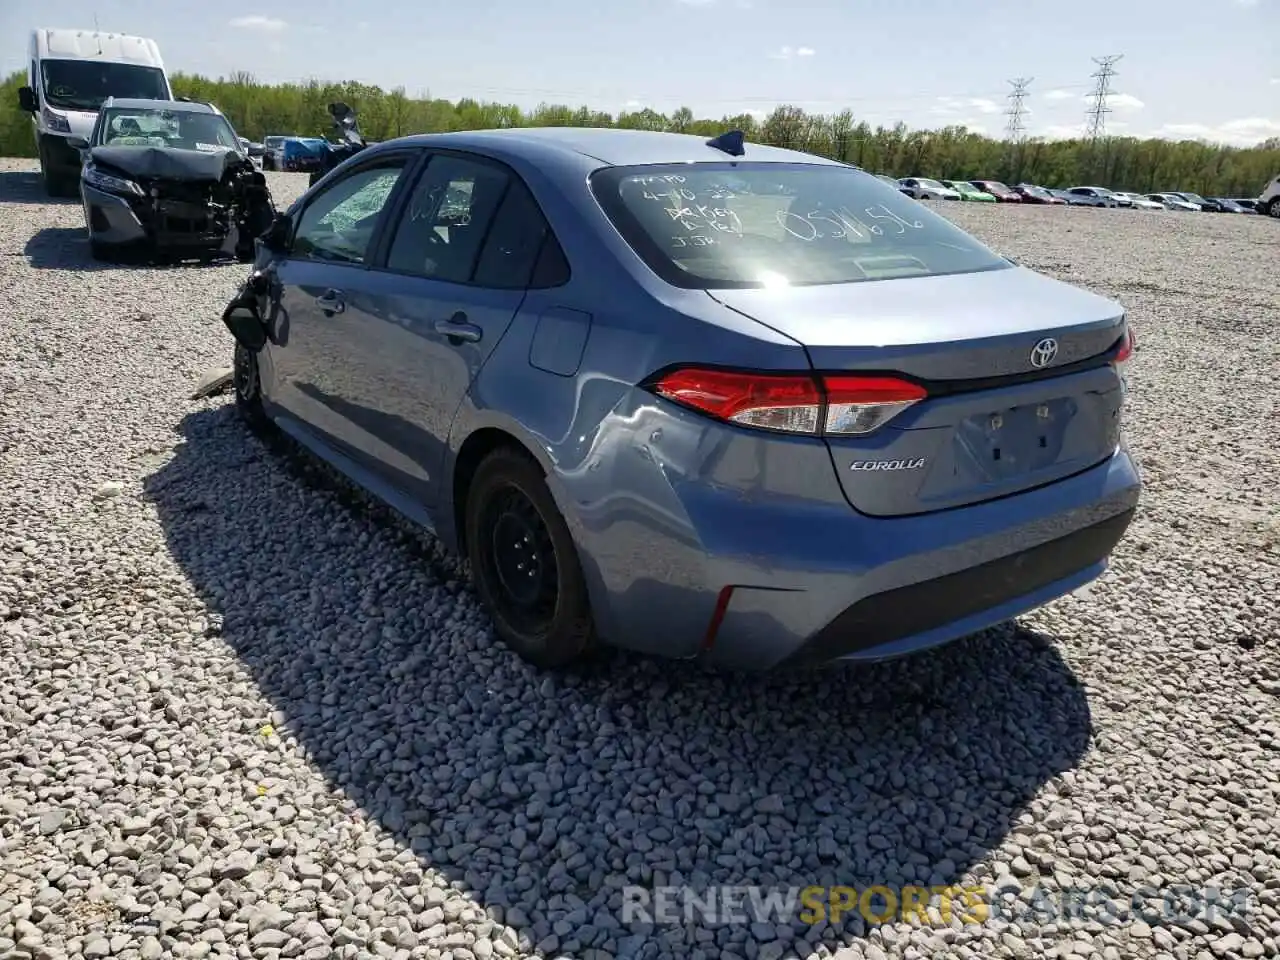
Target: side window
x,y
446,219
338,225
516,252
552,268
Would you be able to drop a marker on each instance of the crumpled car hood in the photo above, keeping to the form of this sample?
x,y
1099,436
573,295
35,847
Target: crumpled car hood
x,y
168,163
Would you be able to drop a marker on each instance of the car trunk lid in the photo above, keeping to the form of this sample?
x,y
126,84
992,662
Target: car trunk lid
x,y
996,420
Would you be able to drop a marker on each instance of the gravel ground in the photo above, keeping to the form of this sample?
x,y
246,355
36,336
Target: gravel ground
x,y
243,715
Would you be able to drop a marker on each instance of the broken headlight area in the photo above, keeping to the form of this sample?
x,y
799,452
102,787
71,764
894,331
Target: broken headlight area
x,y
108,183
202,216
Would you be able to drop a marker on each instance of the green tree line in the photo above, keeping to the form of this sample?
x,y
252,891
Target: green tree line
x,y
1123,163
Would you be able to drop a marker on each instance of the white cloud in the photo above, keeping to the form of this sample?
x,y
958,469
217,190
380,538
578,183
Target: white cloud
x,y
1116,101
1275,81
1075,131
1124,101
1061,131
948,106
256,21
1245,132
1247,3
697,3
786,53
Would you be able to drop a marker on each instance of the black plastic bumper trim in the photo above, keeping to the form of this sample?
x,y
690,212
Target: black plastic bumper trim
x,y
885,617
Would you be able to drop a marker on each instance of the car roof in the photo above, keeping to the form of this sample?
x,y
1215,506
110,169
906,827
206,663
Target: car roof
x,y
186,106
610,146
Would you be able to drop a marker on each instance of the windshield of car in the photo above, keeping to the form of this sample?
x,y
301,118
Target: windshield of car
x,y
965,187
1194,197
1035,191
85,84
997,186
924,182
729,225
176,129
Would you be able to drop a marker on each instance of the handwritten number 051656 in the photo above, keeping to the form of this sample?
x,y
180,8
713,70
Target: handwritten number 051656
x,y
805,226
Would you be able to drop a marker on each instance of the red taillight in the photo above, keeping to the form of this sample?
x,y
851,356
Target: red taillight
x,y
792,403
1126,347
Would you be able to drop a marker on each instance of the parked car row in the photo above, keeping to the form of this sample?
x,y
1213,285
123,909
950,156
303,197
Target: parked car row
x,y
993,191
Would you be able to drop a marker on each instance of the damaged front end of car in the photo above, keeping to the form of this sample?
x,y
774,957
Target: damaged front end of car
x,y
254,316
350,141
182,203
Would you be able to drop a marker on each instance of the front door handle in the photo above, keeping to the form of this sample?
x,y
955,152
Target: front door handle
x,y
331,302
458,330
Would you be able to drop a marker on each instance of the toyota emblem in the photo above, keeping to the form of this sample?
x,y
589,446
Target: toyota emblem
x,y
1042,353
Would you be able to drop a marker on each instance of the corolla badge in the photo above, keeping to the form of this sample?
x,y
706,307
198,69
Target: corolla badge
x,y
913,463
1042,353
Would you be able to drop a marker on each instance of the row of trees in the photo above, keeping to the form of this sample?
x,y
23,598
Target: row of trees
x,y
1124,163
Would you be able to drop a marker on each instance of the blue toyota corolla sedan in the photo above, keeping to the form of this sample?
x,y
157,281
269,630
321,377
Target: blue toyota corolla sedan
x,y
700,398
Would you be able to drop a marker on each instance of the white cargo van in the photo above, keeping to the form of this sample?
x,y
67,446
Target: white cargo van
x,y
69,74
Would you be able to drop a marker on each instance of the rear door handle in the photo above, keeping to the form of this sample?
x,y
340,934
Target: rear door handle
x,y
331,302
458,330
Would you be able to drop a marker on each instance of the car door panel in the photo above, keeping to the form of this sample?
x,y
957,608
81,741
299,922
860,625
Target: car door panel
x,y
426,368
441,302
322,289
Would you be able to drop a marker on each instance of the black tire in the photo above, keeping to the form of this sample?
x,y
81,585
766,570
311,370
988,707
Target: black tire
x,y
546,619
1273,209
246,380
100,252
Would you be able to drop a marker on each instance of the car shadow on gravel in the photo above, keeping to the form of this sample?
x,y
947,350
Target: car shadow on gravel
x,y
67,248
26,187
541,796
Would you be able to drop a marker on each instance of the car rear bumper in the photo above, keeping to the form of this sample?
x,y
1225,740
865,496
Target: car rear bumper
x,y
756,580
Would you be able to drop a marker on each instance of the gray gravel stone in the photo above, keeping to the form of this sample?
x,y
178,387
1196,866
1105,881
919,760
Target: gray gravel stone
x,y
244,713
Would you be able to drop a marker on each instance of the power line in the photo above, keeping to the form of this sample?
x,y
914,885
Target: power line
x,y
1096,116
1016,129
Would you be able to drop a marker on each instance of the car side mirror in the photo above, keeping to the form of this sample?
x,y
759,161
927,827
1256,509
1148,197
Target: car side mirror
x,y
27,100
78,143
276,237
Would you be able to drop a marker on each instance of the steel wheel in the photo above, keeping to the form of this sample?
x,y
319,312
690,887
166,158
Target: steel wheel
x,y
524,561
521,560
247,382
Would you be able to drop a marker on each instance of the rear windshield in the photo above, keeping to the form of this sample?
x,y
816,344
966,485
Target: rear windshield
x,y
727,225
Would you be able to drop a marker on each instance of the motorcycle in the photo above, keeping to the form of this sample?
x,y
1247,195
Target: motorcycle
x,y
351,141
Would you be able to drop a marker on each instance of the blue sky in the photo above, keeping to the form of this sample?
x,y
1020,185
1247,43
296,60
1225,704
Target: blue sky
x,y
1191,68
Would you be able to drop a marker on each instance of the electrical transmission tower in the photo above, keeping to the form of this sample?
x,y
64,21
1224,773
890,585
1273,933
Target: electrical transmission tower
x,y
1016,130
1096,117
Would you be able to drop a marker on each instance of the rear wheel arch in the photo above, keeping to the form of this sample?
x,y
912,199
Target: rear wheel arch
x,y
493,466
471,454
